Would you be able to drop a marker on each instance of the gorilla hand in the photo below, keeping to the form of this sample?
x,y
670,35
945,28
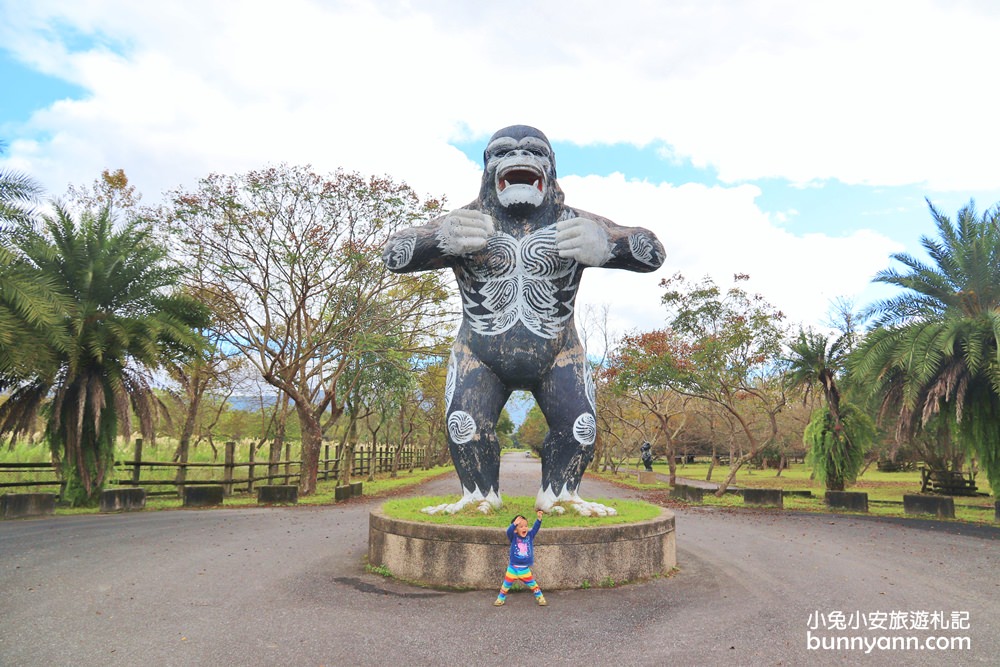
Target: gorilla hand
x,y
464,231
584,240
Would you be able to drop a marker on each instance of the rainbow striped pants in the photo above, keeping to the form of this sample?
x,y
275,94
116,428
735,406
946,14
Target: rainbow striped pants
x,y
522,574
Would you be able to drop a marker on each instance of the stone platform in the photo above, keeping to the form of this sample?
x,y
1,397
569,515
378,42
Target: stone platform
x,y
474,557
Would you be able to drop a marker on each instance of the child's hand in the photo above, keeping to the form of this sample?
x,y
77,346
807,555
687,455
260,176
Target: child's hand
x,y
540,513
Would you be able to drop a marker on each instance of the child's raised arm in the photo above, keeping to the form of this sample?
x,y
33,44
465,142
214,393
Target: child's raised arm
x,y
538,524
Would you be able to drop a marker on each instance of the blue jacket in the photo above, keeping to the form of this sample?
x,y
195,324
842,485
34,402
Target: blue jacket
x,y
522,549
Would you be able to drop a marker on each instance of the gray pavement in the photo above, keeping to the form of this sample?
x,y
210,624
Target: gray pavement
x,y
287,586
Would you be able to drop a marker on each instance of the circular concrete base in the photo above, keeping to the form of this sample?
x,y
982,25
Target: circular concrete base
x,y
473,557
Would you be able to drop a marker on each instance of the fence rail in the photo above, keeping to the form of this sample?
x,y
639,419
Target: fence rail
x,y
286,471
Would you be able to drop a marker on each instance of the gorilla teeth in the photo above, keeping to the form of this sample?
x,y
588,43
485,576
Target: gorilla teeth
x,y
504,184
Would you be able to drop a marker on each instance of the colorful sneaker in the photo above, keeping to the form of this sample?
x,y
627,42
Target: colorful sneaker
x,y
541,601
498,602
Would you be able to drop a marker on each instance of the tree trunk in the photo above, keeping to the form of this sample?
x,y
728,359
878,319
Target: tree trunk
x,y
184,445
347,450
734,468
312,443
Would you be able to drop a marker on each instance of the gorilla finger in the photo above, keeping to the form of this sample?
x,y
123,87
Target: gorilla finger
x,y
567,235
472,232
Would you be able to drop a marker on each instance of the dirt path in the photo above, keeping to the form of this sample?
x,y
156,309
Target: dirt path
x,y
288,586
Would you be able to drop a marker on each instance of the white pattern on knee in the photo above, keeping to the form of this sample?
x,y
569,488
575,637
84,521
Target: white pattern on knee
x,y
461,427
585,429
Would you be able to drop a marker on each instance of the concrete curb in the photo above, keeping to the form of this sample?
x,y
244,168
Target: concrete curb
x,y
474,557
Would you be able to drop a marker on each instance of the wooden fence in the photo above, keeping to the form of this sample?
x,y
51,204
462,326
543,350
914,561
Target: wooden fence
x,y
236,476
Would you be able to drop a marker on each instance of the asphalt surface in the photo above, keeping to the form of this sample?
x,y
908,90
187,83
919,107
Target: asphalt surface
x,y
287,586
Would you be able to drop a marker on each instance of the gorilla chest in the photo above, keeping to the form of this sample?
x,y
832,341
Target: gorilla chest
x,y
519,281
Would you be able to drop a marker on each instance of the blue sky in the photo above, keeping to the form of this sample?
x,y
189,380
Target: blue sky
x,y
34,91
828,206
768,137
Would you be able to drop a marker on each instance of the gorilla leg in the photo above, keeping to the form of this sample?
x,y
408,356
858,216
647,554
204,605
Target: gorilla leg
x,y
567,397
474,397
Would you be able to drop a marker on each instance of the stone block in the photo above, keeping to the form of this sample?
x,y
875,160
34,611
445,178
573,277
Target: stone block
x,y
647,477
763,497
854,501
356,489
203,495
125,499
996,511
694,494
943,507
341,492
277,494
19,505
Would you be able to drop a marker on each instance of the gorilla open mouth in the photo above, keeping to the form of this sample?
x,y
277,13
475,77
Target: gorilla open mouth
x,y
520,175
520,183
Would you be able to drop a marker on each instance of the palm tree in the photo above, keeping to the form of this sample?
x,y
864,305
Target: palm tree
x,y
933,353
28,307
122,319
839,434
814,359
18,194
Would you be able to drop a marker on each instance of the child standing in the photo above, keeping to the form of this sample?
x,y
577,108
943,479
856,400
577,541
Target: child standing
x,y
522,557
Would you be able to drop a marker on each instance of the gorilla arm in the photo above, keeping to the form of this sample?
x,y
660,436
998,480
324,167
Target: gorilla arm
x,y
595,241
436,244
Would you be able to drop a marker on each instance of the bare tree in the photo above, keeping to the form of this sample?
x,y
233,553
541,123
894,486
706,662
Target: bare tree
x,y
294,261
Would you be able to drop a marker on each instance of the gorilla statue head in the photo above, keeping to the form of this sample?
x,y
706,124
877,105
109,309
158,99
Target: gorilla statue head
x,y
519,173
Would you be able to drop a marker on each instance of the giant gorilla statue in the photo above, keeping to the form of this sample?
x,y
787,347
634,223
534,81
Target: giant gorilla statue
x,y
518,253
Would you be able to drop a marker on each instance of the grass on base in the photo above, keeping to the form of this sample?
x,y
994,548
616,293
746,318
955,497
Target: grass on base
x,y
409,509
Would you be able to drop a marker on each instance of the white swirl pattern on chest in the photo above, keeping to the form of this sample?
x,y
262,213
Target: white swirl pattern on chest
x,y
514,280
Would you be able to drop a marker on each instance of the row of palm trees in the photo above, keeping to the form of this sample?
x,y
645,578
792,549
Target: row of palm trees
x,y
929,365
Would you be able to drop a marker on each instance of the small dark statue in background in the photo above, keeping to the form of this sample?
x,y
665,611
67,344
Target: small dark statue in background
x,y
646,454
518,253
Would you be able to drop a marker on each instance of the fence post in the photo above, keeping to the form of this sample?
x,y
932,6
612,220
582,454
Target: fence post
x,y
250,468
288,461
137,462
227,473
274,455
326,461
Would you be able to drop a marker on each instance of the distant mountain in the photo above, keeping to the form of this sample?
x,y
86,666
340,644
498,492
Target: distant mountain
x,y
249,403
517,406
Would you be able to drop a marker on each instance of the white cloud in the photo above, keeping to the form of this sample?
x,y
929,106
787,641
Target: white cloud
x,y
883,93
877,93
720,231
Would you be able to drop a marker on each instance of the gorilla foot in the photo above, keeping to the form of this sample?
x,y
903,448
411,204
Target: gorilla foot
x,y
548,501
485,504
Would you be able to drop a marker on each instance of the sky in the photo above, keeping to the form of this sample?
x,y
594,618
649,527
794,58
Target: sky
x,y
792,141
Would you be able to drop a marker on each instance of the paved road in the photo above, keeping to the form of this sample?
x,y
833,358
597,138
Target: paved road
x,y
287,587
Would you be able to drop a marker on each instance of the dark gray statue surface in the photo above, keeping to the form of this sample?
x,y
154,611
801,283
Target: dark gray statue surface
x,y
518,253
646,453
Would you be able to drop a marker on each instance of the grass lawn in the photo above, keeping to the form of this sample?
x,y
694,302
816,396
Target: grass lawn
x,y
408,509
382,486
885,489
